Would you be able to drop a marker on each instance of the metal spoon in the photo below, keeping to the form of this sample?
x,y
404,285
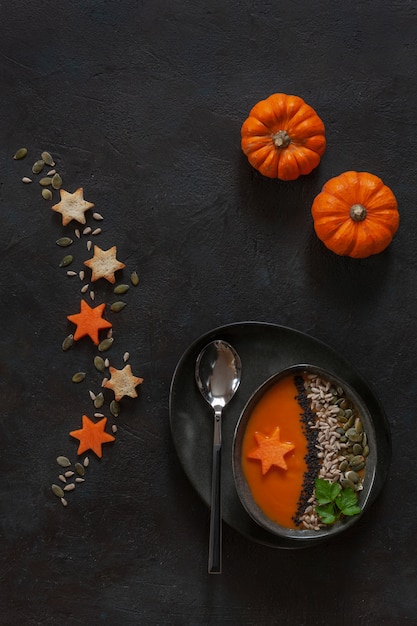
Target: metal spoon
x,y
217,373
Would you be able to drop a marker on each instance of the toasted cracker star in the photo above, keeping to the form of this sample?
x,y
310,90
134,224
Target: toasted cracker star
x,y
72,206
123,382
271,450
104,264
92,436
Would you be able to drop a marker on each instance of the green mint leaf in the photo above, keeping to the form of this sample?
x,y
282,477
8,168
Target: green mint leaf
x,y
326,491
347,502
326,512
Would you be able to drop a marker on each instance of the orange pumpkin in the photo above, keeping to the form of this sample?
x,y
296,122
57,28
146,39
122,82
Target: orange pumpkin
x,y
283,137
355,214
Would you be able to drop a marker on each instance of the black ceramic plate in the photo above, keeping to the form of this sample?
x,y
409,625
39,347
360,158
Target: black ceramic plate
x,y
264,349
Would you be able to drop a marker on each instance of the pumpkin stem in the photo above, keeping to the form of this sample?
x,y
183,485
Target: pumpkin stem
x,y
358,212
281,139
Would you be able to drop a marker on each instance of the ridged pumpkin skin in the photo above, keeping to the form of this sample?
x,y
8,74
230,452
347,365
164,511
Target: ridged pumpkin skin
x,y
355,215
283,137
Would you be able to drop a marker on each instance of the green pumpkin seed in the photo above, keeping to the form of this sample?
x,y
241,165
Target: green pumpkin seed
x,y
117,306
47,158
365,451
358,425
57,491
79,469
64,242
353,477
99,401
63,461
38,166
134,279
20,154
67,260
68,342
78,377
56,181
46,194
343,465
45,181
99,364
105,344
114,408
347,484
121,289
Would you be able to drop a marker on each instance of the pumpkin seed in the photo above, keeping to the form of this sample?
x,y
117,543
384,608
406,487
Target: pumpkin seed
x,y
47,158
20,154
68,342
347,484
358,425
63,461
114,408
343,465
352,435
116,307
365,451
67,260
105,344
64,242
78,377
25,179
352,476
45,181
38,166
79,469
99,364
357,449
57,491
122,288
56,181
99,401
46,194
134,279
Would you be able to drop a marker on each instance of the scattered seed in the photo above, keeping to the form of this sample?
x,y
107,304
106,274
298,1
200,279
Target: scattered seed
x,y
57,491
64,502
89,245
106,362
86,461
92,295
38,166
119,289
84,288
63,461
56,181
126,356
46,194
77,233
64,242
51,172
99,363
81,274
116,307
105,344
114,428
71,273
80,480
98,415
69,474
67,260
69,487
45,181
87,230
78,377
47,158
68,342
96,231
25,179
97,216
103,382
99,401
134,279
79,469
114,408
20,154
92,395
62,478
110,332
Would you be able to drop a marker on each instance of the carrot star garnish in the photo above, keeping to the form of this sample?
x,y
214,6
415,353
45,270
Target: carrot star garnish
x,y
89,321
271,451
104,264
123,382
72,206
92,436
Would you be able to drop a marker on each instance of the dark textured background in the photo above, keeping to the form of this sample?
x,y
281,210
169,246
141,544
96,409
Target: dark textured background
x,y
141,103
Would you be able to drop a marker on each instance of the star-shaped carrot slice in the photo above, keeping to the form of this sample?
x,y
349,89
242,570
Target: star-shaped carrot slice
x,y
104,264
92,436
89,322
123,382
271,450
72,206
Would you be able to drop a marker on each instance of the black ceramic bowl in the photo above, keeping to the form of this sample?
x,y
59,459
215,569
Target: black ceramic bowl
x,y
375,471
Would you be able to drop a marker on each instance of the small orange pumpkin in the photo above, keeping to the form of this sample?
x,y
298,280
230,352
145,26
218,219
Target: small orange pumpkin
x,y
283,137
355,215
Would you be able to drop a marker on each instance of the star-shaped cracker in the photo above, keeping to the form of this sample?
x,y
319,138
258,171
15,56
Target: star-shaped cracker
x,y
92,436
123,382
72,206
271,451
89,322
104,264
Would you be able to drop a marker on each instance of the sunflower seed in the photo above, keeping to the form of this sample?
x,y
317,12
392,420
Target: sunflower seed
x,y
87,230
45,181
47,158
79,469
62,478
25,179
89,245
126,356
81,274
46,194
99,363
84,288
64,242
77,233
134,279
51,172
96,231
56,181
71,273
106,362
63,461
57,491
38,166
64,502
86,461
20,154
119,289
78,377
99,401
69,474
114,428
92,295
98,415
105,344
117,306
68,342
104,381
80,480
69,487
110,332
114,408
67,260
97,216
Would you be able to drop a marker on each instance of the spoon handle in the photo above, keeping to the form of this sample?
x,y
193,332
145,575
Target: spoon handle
x,y
215,540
